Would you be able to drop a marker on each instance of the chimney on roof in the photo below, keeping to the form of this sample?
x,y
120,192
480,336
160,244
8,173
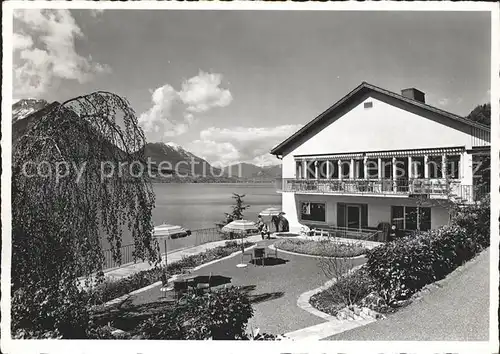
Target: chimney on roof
x,y
413,94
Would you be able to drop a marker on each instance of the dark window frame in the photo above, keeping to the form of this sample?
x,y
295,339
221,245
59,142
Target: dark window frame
x,y
312,210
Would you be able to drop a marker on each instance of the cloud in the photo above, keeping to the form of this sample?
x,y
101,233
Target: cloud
x,y
226,146
174,112
202,92
47,54
163,98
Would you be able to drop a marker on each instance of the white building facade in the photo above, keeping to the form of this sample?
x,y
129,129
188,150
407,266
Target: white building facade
x,y
376,157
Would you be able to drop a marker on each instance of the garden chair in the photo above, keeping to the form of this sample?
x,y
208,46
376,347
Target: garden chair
x,y
259,253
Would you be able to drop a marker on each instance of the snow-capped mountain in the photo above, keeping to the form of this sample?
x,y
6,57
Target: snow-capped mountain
x,y
183,152
176,159
24,107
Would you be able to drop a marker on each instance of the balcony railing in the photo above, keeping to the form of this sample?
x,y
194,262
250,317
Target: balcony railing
x,y
437,187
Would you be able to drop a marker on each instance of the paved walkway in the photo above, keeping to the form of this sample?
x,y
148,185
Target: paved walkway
x,y
457,309
273,289
172,257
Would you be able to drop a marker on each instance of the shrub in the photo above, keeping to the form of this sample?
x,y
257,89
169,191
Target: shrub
x,y
324,248
223,314
347,291
476,221
404,266
49,311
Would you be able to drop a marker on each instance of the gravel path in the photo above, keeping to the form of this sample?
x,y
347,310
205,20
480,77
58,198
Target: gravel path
x,y
455,310
274,289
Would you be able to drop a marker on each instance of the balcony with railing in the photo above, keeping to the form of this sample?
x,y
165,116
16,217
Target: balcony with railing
x,y
435,188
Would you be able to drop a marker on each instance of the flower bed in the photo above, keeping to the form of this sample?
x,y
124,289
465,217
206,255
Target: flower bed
x,y
347,291
324,248
112,289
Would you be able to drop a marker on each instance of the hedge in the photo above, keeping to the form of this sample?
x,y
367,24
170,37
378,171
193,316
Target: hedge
x,y
404,266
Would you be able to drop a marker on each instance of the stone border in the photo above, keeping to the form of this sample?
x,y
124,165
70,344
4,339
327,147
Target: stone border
x,y
138,291
313,255
303,300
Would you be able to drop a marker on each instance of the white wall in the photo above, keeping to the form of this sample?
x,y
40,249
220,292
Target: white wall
x,y
379,208
382,127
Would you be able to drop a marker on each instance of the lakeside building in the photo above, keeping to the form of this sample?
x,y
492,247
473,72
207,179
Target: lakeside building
x,y
381,158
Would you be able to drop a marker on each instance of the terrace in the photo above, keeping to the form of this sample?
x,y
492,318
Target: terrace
x,y
441,173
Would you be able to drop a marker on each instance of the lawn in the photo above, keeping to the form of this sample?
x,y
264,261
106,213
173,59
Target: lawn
x,y
324,248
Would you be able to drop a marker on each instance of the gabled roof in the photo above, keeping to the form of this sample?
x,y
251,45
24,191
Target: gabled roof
x,y
362,89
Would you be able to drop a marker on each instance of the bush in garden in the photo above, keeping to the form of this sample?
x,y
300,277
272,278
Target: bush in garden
x,y
476,220
222,314
58,311
347,291
404,266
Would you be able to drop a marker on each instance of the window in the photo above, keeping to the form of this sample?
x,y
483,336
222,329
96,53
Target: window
x,y
322,169
387,168
418,166
311,170
346,167
368,104
334,169
312,211
435,166
359,168
411,218
372,168
453,166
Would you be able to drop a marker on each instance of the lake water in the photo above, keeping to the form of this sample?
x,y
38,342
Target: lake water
x,y
198,206
201,205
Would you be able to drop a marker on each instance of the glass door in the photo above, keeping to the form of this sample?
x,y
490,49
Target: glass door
x,y
353,216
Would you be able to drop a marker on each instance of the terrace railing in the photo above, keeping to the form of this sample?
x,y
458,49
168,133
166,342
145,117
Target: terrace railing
x,y
166,244
350,233
437,187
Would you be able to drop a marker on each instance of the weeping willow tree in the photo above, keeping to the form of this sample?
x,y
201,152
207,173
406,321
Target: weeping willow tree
x,y
78,177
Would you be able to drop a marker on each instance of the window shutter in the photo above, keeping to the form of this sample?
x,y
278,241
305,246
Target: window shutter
x,y
341,215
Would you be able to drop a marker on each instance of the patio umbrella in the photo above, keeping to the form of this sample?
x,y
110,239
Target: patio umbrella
x,y
241,227
271,212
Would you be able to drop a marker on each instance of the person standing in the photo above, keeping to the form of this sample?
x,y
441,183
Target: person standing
x,y
260,223
276,221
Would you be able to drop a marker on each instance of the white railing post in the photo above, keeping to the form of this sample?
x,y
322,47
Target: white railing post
x,y
426,166
365,167
394,175
410,174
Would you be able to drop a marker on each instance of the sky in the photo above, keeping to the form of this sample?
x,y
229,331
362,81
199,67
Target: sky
x,y
230,85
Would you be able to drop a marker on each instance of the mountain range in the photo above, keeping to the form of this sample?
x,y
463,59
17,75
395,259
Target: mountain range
x,y
168,157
